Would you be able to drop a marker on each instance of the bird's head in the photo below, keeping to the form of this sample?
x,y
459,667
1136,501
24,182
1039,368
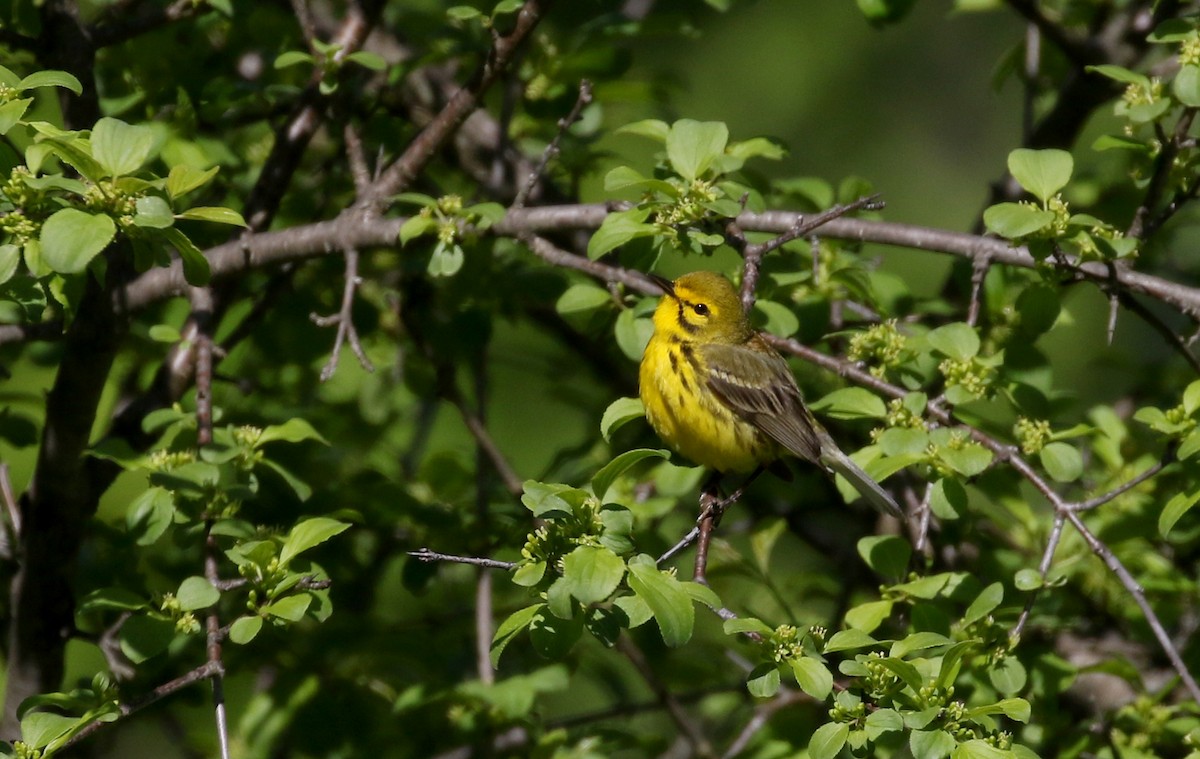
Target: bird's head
x,y
701,307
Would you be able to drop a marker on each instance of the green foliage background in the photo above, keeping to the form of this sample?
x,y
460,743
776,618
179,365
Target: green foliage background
x,y
824,630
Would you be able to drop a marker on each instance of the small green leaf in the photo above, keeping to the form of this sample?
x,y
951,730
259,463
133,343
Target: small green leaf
x,y
867,617
1012,221
308,534
851,403
763,539
739,625
153,212
652,128
216,214
510,628
827,740
1186,85
888,555
970,460
1120,74
582,298
618,413
184,179
416,226
121,148
51,78
245,629
632,333
1179,504
918,641
40,729
71,238
959,341
849,640
693,146
529,574
195,266
931,744
619,228
813,677
624,178
1028,579
778,319
463,13
763,681
670,604
294,430
446,261
1062,461
290,608
592,574
948,499
1008,677
197,593
984,603
883,721
604,479
979,749
111,599
144,636
292,58
11,112
368,60
1042,172
10,258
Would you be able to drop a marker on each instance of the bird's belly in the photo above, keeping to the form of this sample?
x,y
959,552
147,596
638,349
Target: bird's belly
x,y
693,421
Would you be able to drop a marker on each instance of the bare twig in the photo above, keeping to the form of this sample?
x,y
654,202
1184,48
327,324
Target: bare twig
x,y
424,554
581,102
11,508
345,321
213,628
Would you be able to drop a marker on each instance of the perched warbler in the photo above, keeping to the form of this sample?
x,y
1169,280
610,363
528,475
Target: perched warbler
x,y
717,393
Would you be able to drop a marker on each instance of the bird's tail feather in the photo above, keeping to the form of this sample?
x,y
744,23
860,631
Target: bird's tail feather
x,y
839,462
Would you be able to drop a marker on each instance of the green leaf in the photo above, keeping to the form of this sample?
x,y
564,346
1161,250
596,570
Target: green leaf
x,y
619,228
153,212
931,744
294,430
851,403
778,319
510,628
216,214
618,413
1120,74
39,729
195,266
626,178
368,60
1042,172
582,298
1013,221
604,479
702,594
984,603
670,604
883,721
902,441
888,555
184,179
197,593
763,681
51,78
970,460
652,128
10,258
71,238
1062,461
1186,85
529,574
813,677
827,740
762,542
463,13
635,609
632,333
948,499
308,534
446,261
1028,579
918,641
979,749
1039,307
144,636
592,574
11,112
121,148
292,58
868,616
739,625
111,599
245,629
1179,504
290,608
693,146
849,640
907,672
416,226
1008,677
959,341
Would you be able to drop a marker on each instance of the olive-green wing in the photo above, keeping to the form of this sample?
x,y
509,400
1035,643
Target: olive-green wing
x,y
758,387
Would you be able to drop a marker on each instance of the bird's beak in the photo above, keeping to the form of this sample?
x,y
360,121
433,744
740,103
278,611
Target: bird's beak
x,y
668,287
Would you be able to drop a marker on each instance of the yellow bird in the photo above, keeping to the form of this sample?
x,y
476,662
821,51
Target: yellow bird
x,y
717,393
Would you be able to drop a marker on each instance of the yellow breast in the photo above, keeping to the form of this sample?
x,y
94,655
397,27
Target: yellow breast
x,y
689,417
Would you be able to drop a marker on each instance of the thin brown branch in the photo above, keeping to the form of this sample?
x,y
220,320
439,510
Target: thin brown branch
x,y
687,726
212,623
401,174
426,555
344,321
576,112
1044,569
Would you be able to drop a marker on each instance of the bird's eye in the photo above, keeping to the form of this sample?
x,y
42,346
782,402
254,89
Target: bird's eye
x,y
701,309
